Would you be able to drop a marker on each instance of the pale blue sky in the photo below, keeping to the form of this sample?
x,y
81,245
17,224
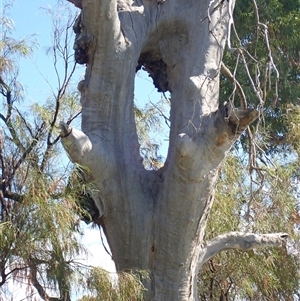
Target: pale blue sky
x,y
30,17
37,74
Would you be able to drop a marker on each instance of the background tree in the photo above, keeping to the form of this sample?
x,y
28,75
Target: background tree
x,y
157,220
259,185
42,197
39,217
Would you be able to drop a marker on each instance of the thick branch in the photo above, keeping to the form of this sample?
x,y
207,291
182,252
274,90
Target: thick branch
x,y
102,16
241,241
42,292
14,196
2,161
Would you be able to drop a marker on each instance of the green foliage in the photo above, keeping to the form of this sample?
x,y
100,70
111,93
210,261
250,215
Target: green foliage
x,y
253,194
10,51
149,124
243,205
38,234
39,219
258,188
127,286
267,54
10,48
291,121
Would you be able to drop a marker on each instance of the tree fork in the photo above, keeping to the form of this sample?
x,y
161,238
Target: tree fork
x,y
155,220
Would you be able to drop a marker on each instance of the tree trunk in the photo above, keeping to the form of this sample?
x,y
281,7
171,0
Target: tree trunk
x,y
154,220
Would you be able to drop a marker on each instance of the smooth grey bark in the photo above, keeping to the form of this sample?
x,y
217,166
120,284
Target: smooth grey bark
x,y
240,241
154,220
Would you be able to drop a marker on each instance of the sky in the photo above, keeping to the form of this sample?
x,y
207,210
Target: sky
x,y
31,18
37,75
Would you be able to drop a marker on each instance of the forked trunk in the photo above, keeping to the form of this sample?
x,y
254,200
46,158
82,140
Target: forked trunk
x,y
154,220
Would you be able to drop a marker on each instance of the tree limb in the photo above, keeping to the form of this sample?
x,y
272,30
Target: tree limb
x,y
6,92
241,241
13,196
25,123
27,151
227,73
42,292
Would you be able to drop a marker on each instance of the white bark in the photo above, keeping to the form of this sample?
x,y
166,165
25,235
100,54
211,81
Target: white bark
x,y
154,220
240,241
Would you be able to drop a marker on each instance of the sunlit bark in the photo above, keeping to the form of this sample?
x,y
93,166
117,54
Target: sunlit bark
x,y
155,220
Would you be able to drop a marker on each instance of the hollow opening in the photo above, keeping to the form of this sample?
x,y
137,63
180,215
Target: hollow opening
x,y
152,111
157,70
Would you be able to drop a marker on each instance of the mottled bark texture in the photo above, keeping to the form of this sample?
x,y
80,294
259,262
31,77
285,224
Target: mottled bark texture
x,y
154,220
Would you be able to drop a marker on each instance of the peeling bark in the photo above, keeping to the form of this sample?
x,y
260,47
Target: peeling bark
x,y
155,220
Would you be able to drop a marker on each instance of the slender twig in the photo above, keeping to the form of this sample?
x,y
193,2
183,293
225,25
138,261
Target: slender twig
x,y
63,84
167,120
3,164
102,241
27,151
74,116
25,122
66,76
6,92
16,270
227,73
270,56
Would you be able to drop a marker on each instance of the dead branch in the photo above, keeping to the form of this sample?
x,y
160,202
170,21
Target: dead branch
x,y
227,73
241,241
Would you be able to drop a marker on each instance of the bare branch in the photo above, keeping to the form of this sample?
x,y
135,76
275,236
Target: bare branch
x,y
2,117
13,196
42,292
241,241
6,92
2,161
34,142
15,137
230,24
14,271
61,93
227,73
3,274
74,116
265,27
25,122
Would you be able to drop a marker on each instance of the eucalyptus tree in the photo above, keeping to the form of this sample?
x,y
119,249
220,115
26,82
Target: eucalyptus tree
x,y
157,220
